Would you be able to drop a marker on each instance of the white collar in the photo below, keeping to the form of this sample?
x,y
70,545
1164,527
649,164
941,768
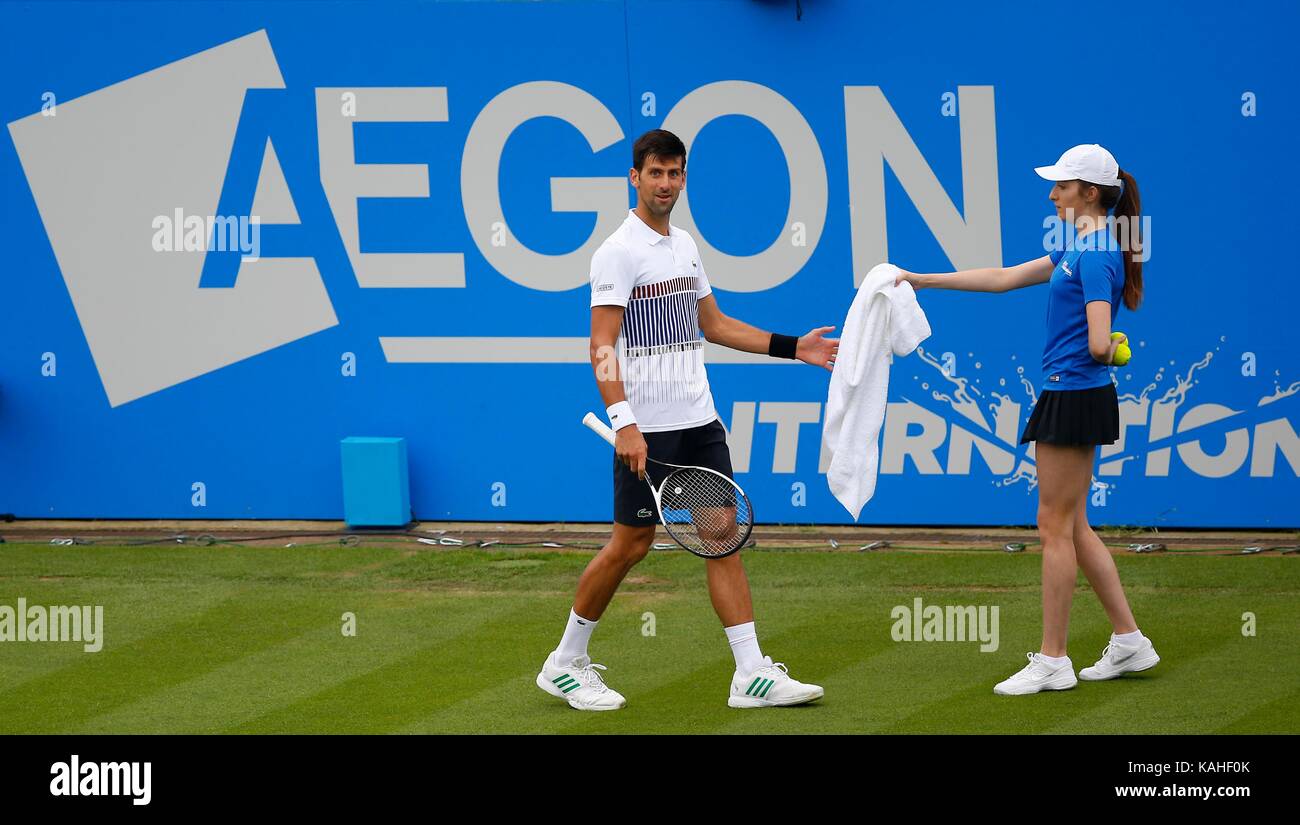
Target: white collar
x,y
644,231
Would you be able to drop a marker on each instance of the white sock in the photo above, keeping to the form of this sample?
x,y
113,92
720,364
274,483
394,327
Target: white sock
x,y
1127,639
744,646
576,635
1054,661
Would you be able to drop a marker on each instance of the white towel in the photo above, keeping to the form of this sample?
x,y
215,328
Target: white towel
x,y
884,319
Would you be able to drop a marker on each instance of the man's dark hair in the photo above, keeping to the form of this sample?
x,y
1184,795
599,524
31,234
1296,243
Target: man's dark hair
x,y
659,143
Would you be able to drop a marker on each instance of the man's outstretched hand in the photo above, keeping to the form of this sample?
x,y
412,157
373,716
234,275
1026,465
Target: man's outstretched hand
x,y
817,350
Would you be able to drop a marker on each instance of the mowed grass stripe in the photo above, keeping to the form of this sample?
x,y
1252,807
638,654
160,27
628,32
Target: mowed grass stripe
x,y
1089,707
813,653
1277,716
188,564
688,641
972,705
1154,700
1196,644
800,645
679,681
264,681
389,697
121,674
884,681
144,589
131,613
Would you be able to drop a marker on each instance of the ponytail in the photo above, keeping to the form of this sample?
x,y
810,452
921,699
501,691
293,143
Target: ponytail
x,y
1127,203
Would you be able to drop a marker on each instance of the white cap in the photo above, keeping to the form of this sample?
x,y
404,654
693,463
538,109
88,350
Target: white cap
x,y
1087,161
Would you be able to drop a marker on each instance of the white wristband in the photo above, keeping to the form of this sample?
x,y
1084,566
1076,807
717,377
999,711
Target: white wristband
x,y
620,415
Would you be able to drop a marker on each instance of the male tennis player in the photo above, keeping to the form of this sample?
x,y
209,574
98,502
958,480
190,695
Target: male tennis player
x,y
650,300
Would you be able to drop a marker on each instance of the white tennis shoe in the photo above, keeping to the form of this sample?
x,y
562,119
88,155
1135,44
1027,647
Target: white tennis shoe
x,y
579,684
770,686
1118,659
1037,675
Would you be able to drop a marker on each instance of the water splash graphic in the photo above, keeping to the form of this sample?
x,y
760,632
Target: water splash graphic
x,y
964,403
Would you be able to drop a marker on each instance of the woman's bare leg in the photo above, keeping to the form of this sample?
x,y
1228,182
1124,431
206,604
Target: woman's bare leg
x,y
1064,475
1099,566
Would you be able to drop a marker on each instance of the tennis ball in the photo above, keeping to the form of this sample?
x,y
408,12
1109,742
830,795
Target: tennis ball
x,y
1122,352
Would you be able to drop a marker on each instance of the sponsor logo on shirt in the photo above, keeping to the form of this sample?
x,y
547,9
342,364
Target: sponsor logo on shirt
x,y
1066,268
1053,378
644,513
604,287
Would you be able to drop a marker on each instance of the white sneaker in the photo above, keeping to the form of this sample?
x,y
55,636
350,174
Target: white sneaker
x,y
579,684
1037,675
1117,659
770,686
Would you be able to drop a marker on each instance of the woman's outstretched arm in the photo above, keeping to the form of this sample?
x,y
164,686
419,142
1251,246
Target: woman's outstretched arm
x,y
992,279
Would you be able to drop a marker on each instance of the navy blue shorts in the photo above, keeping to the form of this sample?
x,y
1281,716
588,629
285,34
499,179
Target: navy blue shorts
x,y
703,446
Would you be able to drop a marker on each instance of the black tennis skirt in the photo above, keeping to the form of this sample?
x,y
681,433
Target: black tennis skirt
x,y
1075,417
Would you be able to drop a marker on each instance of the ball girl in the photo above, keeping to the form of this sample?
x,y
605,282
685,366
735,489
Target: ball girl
x,y
1089,277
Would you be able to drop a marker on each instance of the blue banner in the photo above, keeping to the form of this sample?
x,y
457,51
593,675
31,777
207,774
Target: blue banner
x,y
238,232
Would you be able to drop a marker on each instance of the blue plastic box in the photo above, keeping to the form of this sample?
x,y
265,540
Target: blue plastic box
x,y
376,484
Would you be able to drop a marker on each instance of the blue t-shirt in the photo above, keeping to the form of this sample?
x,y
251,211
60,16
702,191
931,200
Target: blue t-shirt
x,y
1091,269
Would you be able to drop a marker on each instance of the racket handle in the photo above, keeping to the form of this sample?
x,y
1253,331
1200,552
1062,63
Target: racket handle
x,y
599,427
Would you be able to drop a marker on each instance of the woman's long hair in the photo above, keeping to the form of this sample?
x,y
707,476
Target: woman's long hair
x,y
1127,203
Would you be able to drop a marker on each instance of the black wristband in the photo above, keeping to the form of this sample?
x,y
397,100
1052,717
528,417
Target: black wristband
x,y
782,346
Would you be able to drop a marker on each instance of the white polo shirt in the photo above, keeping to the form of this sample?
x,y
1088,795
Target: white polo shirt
x,y
658,279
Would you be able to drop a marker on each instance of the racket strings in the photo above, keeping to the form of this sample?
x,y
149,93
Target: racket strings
x,y
705,511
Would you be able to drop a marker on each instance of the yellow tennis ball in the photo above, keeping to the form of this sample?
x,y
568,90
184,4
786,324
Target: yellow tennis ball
x,y
1122,353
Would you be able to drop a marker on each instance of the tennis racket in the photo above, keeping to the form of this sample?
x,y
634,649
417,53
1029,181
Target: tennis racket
x,y
702,510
